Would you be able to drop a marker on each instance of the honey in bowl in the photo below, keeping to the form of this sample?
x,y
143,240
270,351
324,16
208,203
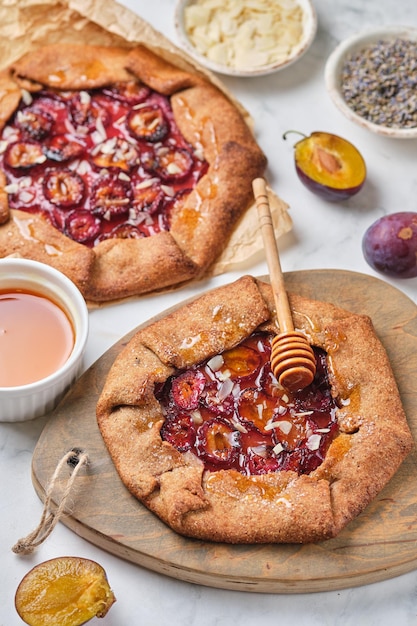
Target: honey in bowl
x,y
36,337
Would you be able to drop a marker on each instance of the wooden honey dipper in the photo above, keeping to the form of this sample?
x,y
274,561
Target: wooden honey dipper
x,y
292,358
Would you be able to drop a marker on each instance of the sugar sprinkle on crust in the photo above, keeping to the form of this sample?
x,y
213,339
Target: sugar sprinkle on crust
x,y
202,221
279,507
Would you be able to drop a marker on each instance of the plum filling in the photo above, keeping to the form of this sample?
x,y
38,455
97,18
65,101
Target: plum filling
x,y
232,413
98,164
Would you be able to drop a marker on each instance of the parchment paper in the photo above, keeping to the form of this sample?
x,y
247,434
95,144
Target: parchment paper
x,y
27,24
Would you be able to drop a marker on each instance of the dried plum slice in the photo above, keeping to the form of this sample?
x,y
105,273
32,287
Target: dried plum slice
x,y
85,111
24,155
116,153
59,148
306,454
321,419
269,382
302,460
57,217
218,442
170,164
289,430
259,464
317,397
111,196
218,397
314,399
123,231
63,187
187,388
241,362
21,196
34,123
82,226
149,199
257,408
179,431
148,123
130,91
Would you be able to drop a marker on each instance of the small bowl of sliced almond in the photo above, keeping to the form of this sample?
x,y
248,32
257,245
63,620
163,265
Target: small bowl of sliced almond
x,y
246,37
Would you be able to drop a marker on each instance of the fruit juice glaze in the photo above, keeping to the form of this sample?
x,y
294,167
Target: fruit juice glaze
x,y
98,164
232,413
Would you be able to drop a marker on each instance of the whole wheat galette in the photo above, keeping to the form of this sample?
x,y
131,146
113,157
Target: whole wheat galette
x,y
118,168
203,435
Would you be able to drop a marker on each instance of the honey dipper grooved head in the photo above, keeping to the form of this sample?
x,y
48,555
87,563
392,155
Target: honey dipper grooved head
x,y
293,361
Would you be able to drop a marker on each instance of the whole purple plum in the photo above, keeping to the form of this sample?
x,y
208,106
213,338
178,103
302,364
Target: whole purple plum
x,y
390,244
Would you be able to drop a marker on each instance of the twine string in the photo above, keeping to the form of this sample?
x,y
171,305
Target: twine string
x,y
49,518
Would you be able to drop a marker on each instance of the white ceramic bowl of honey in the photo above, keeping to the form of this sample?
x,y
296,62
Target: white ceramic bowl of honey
x,y
43,335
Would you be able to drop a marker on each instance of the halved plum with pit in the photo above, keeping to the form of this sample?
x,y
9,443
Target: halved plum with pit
x,y
329,166
66,590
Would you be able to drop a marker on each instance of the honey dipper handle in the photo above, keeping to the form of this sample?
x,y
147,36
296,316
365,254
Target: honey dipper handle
x,y
271,250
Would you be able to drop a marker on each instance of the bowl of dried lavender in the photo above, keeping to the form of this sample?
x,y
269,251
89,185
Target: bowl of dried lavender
x,y
372,79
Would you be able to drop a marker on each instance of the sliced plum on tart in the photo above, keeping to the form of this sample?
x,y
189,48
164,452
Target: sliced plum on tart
x,y
122,158
232,413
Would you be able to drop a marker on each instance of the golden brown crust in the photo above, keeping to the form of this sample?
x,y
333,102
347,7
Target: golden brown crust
x,y
10,95
277,507
128,268
31,237
203,222
71,66
4,201
209,122
158,73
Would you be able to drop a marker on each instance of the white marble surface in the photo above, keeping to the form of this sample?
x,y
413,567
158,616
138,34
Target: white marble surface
x,y
324,236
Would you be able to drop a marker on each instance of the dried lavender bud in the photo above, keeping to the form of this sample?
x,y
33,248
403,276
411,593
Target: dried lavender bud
x,y
379,83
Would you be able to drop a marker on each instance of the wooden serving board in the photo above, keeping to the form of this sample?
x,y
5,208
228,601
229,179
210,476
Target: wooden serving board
x,y
381,543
